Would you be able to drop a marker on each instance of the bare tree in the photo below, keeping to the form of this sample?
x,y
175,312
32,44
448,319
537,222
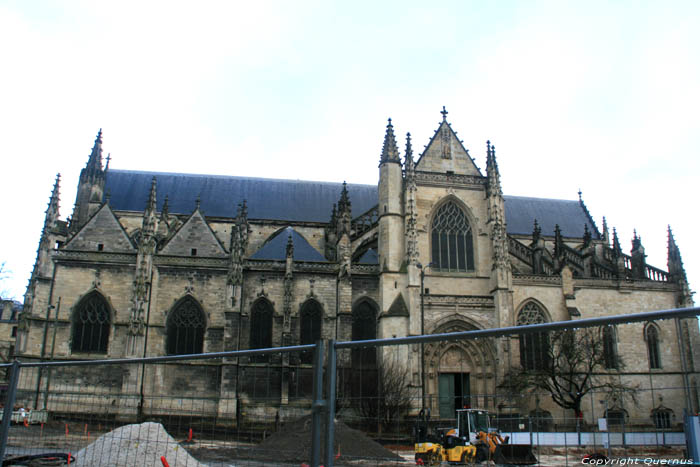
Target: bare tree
x,y
569,365
382,395
5,273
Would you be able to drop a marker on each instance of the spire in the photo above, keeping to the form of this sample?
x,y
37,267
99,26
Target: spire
x,y
586,236
95,160
536,232
390,152
149,226
617,249
151,206
494,177
409,163
606,232
52,209
164,213
675,263
344,212
344,203
638,258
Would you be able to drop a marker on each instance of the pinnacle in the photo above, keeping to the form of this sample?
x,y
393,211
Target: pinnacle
x,y
390,151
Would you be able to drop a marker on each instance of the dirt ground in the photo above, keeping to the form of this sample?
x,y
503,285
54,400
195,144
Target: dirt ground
x,y
228,453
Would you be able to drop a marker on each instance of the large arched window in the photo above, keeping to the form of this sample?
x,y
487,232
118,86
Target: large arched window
x,y
610,347
451,236
534,347
261,327
310,327
185,328
652,337
91,323
364,326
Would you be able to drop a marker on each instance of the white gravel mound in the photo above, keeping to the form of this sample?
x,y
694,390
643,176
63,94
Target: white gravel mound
x,y
135,445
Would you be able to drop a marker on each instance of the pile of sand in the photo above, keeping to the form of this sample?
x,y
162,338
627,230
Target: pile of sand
x,y
139,444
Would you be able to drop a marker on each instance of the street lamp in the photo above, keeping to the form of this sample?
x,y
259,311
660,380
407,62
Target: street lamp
x,y
422,331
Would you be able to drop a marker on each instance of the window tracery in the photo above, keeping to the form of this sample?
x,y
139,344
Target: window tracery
x,y
534,347
185,329
452,243
91,325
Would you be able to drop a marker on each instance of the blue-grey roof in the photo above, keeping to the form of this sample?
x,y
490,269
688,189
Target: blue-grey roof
x,y
275,247
300,200
369,257
521,213
289,200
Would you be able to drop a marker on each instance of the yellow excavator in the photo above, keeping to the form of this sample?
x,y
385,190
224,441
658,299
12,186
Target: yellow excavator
x,y
473,441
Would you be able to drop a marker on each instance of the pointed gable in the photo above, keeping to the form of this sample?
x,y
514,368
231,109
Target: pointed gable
x,y
445,153
275,247
194,238
398,308
102,232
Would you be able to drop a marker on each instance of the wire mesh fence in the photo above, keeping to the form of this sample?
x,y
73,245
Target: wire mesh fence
x,y
347,403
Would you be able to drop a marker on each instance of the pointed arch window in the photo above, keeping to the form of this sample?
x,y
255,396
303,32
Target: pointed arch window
x,y
534,347
652,338
364,326
451,236
261,327
310,327
610,347
91,324
185,328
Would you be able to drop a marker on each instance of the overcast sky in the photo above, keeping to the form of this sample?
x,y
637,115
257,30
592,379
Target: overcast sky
x,y
597,96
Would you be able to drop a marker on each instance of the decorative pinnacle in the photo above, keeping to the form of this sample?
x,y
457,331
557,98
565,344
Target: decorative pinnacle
x,y
444,114
390,152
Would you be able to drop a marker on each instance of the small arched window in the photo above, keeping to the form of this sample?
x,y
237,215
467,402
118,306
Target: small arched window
x,y
652,338
261,327
610,347
91,324
364,327
534,347
451,236
310,327
185,328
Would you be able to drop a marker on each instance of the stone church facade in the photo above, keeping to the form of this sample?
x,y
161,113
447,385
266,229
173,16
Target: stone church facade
x,y
154,264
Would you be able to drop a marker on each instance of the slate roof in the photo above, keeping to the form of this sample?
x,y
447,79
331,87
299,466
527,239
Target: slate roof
x,y
276,247
290,200
369,257
521,213
300,200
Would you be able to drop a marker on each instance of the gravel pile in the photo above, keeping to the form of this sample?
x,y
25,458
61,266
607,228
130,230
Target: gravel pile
x,y
139,444
292,443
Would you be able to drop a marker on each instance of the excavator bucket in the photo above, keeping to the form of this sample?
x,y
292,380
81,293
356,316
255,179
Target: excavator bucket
x,y
514,454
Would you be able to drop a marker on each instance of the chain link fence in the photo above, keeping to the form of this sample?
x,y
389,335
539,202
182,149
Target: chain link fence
x,y
332,403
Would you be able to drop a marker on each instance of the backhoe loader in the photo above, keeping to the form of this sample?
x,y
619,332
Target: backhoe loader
x,y
471,442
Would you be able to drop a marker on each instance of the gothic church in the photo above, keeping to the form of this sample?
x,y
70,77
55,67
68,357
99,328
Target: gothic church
x,y
153,263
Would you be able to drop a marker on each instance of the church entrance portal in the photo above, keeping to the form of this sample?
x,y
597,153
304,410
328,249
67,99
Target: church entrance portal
x,y
453,392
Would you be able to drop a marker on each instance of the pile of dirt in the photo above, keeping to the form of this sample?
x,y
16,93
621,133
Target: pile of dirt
x,y
292,443
139,444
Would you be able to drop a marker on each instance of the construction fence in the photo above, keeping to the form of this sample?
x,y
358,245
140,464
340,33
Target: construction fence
x,y
333,403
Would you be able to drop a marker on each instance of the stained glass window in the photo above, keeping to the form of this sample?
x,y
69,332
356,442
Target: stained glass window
x,y
452,248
